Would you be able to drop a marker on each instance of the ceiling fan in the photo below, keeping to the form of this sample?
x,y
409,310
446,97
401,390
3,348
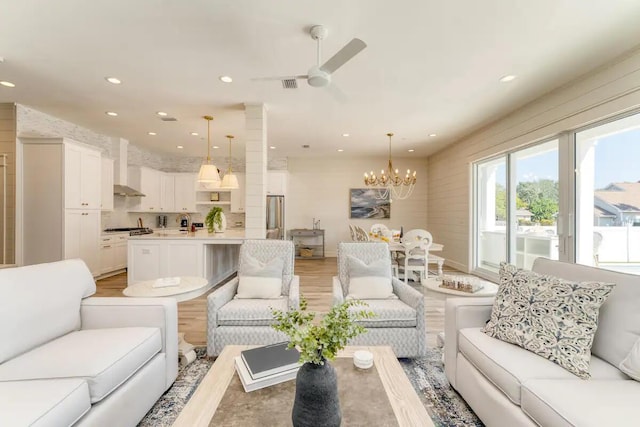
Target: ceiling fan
x,y
320,75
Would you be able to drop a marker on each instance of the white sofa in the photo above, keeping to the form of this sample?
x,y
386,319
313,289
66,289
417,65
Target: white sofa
x,y
506,385
69,359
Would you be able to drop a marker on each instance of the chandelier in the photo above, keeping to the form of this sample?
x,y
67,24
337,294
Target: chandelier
x,y
208,171
390,182
230,181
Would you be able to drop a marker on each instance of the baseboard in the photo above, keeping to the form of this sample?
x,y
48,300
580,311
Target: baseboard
x,y
456,265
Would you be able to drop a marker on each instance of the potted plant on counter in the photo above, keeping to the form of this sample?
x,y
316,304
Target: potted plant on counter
x,y
316,382
215,220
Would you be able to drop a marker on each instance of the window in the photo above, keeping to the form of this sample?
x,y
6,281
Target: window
x,y
607,195
516,208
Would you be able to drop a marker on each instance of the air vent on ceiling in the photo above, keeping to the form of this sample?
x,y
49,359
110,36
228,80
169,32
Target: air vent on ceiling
x,y
168,119
289,84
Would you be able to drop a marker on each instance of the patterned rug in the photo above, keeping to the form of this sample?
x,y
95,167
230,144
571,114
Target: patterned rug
x,y
443,404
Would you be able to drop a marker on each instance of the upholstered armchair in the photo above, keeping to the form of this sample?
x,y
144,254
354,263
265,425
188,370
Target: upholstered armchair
x,y
399,322
243,319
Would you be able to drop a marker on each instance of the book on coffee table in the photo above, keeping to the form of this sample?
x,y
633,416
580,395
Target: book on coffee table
x,y
270,360
250,384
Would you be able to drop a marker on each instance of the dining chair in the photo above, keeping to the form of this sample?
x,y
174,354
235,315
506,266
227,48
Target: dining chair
x,y
361,234
416,245
354,237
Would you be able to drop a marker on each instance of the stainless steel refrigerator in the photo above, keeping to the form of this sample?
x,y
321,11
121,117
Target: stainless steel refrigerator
x,y
275,217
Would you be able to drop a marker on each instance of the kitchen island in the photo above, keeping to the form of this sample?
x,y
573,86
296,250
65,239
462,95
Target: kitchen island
x,y
171,253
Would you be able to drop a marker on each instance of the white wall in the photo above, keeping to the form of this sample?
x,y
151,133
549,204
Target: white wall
x,y
319,188
605,92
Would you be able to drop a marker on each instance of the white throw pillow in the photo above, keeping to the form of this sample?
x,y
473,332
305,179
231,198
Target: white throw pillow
x,y
260,280
370,287
259,287
369,281
631,364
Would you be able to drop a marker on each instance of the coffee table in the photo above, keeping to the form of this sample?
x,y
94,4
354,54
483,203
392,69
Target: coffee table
x,y
405,403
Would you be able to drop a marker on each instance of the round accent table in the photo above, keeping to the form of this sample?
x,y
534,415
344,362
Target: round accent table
x,y
187,288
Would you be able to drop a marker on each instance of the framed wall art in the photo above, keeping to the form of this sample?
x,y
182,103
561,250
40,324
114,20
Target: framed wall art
x,y
366,203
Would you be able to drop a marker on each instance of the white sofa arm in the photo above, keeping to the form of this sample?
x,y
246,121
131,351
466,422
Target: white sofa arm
x,y
162,313
461,313
338,297
294,293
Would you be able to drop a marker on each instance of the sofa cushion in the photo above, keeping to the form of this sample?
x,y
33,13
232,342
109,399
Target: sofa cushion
x,y
508,366
41,403
631,364
369,280
388,314
250,312
547,315
105,358
619,320
40,302
570,403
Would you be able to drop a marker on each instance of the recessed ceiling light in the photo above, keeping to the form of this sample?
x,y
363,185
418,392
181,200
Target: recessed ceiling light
x,y
272,147
432,135
152,133
162,113
508,78
180,147
225,79
194,133
215,146
7,84
113,80
340,150
111,113
345,134
411,150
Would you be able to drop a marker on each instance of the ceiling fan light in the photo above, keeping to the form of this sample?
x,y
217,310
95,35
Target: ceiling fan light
x,y
230,181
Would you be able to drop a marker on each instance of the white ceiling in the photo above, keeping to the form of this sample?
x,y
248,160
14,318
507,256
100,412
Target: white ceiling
x,y
431,66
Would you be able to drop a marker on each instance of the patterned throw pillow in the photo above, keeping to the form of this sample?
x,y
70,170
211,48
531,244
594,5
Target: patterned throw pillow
x,y
260,280
551,317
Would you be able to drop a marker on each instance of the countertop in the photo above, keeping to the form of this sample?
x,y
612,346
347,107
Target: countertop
x,y
232,235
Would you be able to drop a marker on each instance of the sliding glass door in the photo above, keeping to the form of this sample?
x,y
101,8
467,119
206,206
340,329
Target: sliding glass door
x,y
607,195
516,208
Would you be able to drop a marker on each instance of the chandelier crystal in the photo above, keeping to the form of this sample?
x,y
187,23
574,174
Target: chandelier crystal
x,y
390,182
229,181
208,174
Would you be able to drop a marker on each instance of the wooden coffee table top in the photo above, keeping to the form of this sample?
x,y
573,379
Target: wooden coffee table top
x,y
406,404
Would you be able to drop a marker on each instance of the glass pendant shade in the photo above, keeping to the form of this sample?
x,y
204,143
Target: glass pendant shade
x,y
208,173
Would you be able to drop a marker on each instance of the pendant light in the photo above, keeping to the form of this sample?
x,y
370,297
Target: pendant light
x,y
208,171
230,181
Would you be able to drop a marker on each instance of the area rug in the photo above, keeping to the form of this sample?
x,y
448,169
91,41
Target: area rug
x,y
426,374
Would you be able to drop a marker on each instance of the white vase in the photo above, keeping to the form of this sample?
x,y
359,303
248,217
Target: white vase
x,y
223,224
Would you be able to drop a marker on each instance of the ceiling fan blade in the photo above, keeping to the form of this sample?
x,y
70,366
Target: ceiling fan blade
x,y
337,94
280,78
350,50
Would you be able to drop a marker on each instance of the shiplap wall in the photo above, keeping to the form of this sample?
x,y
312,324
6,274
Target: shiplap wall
x,y
8,147
605,92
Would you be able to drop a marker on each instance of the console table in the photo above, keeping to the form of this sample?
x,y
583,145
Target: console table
x,y
312,239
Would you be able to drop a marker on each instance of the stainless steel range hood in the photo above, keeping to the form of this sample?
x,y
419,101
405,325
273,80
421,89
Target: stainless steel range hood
x,y
120,187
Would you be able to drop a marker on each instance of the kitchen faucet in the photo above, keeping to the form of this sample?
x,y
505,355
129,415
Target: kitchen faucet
x,y
186,216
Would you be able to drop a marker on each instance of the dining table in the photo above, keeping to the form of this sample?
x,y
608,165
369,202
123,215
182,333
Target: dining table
x,y
395,247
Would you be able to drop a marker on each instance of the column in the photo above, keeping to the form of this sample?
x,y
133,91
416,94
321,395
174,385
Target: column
x,y
256,170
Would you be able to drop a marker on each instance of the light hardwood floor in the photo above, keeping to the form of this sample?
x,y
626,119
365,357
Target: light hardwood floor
x,y
315,285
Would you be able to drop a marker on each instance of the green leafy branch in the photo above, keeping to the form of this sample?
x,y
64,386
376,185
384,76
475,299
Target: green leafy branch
x,y
214,217
318,342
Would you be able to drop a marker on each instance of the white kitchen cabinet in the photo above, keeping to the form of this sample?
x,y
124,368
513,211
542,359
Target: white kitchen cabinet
x,y
147,181
185,192
82,176
238,196
60,219
82,237
106,184
146,262
167,192
183,259
277,183
113,252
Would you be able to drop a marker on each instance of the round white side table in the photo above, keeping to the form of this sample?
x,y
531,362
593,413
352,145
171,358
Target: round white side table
x,y
188,288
